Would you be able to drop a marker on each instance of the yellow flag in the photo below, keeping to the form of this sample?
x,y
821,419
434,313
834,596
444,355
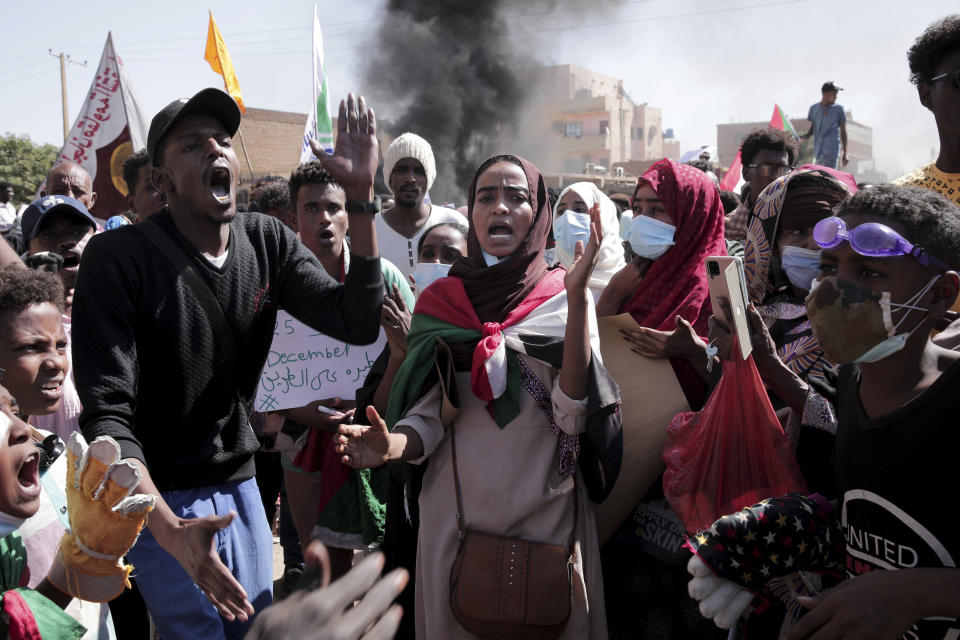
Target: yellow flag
x,y
219,59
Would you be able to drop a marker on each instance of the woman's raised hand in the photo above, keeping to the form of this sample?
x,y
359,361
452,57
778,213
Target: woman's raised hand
x,y
585,258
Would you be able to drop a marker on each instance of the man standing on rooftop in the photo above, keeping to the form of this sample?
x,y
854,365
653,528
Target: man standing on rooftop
x,y
828,126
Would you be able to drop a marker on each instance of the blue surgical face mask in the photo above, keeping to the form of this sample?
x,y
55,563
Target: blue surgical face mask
x,y
567,230
802,265
626,218
426,273
650,238
550,256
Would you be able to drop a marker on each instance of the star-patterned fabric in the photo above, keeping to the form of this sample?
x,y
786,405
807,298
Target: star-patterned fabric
x,y
772,539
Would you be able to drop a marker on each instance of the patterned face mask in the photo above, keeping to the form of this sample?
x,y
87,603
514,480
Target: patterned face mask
x,y
854,324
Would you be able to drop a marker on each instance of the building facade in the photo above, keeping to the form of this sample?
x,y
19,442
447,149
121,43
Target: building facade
x,y
581,122
859,143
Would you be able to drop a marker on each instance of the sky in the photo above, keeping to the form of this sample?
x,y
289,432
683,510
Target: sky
x,y
703,62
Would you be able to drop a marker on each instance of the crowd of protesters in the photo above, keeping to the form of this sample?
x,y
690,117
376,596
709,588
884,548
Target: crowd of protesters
x,y
476,448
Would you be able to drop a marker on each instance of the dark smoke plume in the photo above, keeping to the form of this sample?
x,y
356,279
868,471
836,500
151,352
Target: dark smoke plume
x,y
448,72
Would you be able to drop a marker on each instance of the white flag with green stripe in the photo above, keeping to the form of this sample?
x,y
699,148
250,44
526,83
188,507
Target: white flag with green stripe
x,y
319,126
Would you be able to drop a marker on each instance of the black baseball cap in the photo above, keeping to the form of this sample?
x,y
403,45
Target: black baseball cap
x,y
211,102
829,86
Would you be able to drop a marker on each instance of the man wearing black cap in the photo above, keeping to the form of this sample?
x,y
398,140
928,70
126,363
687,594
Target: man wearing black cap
x,y
828,126
175,391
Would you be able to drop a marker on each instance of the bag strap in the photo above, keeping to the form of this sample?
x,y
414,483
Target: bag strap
x,y
222,332
460,516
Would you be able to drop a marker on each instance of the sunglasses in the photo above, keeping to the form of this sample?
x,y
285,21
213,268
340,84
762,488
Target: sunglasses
x,y
953,75
765,169
871,239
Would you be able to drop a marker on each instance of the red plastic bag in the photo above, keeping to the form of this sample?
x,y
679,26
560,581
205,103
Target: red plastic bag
x,y
731,454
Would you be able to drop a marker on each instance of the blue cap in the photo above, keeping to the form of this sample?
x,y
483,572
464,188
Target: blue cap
x,y
34,214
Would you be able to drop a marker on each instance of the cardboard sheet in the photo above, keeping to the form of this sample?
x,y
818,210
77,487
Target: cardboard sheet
x,y
650,398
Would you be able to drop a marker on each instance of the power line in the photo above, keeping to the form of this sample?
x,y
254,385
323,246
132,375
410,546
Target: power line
x,y
20,57
133,48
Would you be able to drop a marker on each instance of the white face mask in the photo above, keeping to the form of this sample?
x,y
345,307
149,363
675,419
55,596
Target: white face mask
x,y
567,230
426,273
826,329
896,341
650,238
801,265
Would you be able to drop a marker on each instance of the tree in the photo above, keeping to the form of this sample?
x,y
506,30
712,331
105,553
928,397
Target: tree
x,y
24,164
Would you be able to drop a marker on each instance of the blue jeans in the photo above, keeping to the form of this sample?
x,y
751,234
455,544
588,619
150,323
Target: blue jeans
x,y
178,608
827,161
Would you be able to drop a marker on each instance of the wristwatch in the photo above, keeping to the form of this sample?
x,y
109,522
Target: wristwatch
x,y
359,206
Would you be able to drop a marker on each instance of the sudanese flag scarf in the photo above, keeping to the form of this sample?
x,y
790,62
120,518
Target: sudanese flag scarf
x,y
676,282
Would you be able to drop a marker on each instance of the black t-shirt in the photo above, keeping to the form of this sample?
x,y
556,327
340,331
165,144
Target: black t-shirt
x,y
897,475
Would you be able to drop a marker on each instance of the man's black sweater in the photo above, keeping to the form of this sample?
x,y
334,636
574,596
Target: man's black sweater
x,y
150,372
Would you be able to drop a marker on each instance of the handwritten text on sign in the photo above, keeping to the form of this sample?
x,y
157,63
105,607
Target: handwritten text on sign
x,y
304,365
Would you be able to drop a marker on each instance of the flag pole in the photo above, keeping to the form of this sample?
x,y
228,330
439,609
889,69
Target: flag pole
x,y
245,155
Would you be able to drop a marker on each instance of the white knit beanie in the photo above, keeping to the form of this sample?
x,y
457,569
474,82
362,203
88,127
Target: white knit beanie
x,y
410,145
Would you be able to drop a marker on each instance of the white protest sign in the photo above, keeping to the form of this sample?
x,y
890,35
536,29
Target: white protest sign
x,y
304,365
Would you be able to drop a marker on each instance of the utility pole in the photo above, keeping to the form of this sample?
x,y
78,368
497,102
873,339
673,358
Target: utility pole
x,y
64,60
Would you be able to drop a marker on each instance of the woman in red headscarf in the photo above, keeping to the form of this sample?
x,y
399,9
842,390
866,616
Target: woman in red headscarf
x,y
677,223
510,322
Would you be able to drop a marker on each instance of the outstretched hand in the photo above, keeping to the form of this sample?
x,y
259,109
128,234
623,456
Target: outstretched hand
x,y
682,342
322,610
364,447
354,160
192,544
585,258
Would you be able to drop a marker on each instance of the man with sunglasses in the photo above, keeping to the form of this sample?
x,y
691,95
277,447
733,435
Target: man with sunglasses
x,y
766,154
935,69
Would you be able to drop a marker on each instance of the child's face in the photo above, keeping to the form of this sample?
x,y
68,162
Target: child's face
x,y
33,350
19,464
902,276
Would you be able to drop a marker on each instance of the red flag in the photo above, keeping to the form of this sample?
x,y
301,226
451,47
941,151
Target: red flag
x,y
779,121
732,177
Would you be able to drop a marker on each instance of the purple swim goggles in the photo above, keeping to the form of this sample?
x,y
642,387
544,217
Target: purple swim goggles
x,y
871,239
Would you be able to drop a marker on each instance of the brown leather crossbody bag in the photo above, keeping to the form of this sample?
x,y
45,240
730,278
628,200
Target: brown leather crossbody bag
x,y
504,588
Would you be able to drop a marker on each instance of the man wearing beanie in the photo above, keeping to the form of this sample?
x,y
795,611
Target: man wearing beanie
x,y
409,170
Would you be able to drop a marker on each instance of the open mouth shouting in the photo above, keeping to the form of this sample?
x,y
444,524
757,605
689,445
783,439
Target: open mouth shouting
x,y
52,389
500,233
221,182
28,476
326,236
71,261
